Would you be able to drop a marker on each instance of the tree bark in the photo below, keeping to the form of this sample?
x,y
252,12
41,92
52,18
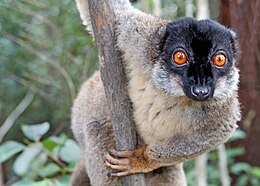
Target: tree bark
x,y
244,18
114,80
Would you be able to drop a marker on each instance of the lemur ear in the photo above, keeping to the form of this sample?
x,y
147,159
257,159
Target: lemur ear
x,y
167,30
160,36
234,43
233,33
160,31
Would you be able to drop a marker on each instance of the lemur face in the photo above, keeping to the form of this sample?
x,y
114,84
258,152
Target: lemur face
x,y
197,60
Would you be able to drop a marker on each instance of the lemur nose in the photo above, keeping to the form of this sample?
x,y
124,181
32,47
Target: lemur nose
x,y
200,92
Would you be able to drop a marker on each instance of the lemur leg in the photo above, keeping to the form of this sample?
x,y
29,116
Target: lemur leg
x,y
98,140
166,176
79,176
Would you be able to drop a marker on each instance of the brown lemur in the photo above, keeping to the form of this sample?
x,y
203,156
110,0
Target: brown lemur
x,y
183,83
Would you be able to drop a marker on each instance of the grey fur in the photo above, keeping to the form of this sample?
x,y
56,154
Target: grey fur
x,y
173,126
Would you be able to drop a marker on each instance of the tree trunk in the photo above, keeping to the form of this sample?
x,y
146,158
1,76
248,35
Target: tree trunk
x,y
157,7
201,170
203,9
244,18
145,6
222,165
113,77
201,161
189,8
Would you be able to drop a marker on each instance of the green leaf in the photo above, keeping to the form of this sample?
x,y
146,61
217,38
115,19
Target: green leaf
x,y
213,155
238,134
24,160
70,151
8,149
26,182
239,167
35,132
49,144
64,180
242,180
59,139
71,166
42,183
37,165
23,183
234,152
55,139
214,172
255,171
50,170
255,181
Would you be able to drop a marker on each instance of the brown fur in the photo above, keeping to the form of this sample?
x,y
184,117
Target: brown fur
x,y
173,128
92,128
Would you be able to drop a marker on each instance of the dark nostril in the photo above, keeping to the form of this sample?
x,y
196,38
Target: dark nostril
x,y
201,92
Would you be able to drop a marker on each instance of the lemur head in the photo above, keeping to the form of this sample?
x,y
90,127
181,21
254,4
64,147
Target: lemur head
x,y
197,60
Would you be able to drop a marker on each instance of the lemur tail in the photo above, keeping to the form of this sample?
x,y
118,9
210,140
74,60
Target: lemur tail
x,y
82,5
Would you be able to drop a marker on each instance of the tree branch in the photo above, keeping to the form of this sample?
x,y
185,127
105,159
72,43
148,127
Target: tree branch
x,y
114,80
223,168
15,114
48,60
11,120
201,170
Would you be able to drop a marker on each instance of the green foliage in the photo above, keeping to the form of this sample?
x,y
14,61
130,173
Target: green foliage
x,y
35,132
245,173
41,162
42,48
8,149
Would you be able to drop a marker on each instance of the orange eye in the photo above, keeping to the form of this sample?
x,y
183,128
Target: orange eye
x,y
219,60
180,58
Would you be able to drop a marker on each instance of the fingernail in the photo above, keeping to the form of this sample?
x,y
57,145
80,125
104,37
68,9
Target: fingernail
x,y
109,174
111,152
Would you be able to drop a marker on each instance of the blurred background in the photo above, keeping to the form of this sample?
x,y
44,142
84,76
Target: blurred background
x,y
45,55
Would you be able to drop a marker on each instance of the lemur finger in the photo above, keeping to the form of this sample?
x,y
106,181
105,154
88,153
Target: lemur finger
x,y
118,174
117,167
121,154
115,161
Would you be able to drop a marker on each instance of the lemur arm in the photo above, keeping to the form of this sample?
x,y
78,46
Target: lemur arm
x,y
177,150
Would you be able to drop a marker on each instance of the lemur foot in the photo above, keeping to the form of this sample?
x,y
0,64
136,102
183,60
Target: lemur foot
x,y
130,161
